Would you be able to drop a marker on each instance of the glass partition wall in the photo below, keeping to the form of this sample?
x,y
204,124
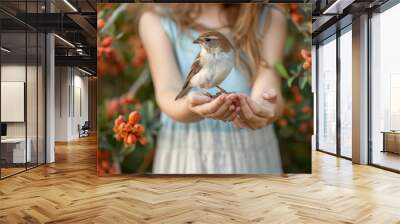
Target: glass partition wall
x,y
334,94
345,65
22,88
385,90
327,95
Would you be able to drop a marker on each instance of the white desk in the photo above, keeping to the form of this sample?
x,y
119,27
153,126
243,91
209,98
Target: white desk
x,y
19,149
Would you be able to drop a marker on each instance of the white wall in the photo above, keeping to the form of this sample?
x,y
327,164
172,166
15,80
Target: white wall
x,y
16,73
71,93
12,73
61,103
33,127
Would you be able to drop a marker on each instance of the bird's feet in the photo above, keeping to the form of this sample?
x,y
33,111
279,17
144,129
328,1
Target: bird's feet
x,y
222,91
209,95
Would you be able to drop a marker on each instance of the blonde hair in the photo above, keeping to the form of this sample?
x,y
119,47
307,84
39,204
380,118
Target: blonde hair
x,y
243,22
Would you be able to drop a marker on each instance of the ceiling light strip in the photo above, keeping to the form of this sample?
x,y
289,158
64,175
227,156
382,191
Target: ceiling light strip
x,y
5,49
70,5
64,40
328,10
84,71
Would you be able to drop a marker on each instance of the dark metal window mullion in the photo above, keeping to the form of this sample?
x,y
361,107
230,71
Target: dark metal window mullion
x,y
316,97
45,94
26,87
69,92
338,94
60,76
0,96
73,92
369,91
37,90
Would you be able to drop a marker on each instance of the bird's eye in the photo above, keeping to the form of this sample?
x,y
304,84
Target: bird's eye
x,y
207,39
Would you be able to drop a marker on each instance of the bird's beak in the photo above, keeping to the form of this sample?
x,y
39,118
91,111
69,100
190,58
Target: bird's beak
x,y
197,41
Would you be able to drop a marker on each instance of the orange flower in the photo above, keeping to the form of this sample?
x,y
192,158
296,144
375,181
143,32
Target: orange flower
x,y
112,108
130,140
296,17
100,24
306,109
305,54
293,7
134,117
107,41
121,127
128,128
105,164
125,100
307,58
120,119
289,111
303,127
143,140
298,99
109,62
108,51
129,132
306,65
295,90
139,129
295,14
282,122
100,51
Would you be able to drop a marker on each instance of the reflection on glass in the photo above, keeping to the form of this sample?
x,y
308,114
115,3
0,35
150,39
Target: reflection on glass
x,y
31,97
345,94
15,151
22,90
385,89
327,97
41,99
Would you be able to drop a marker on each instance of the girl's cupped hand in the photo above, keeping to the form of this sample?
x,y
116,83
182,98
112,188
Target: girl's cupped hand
x,y
255,114
220,108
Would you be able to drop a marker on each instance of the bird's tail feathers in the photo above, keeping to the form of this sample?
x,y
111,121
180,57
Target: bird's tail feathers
x,y
183,92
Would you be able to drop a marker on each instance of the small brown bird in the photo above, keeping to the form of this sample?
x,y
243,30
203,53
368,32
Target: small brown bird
x,y
211,66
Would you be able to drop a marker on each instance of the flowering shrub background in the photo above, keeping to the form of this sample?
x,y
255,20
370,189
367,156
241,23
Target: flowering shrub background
x,y
128,116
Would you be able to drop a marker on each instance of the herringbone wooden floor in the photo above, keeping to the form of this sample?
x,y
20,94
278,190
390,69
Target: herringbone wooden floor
x,y
70,192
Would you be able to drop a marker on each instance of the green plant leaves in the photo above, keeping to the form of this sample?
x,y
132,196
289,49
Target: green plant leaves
x,y
281,69
303,81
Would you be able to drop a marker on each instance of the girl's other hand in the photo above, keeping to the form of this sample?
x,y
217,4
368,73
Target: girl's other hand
x,y
220,108
257,115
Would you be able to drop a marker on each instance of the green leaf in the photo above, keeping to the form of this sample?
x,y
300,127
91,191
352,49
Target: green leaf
x,y
281,69
303,81
126,150
290,42
286,132
290,81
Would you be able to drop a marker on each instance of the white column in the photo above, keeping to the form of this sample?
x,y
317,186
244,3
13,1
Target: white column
x,y
360,90
50,110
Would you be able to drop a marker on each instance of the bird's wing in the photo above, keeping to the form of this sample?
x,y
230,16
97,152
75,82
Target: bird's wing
x,y
196,67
